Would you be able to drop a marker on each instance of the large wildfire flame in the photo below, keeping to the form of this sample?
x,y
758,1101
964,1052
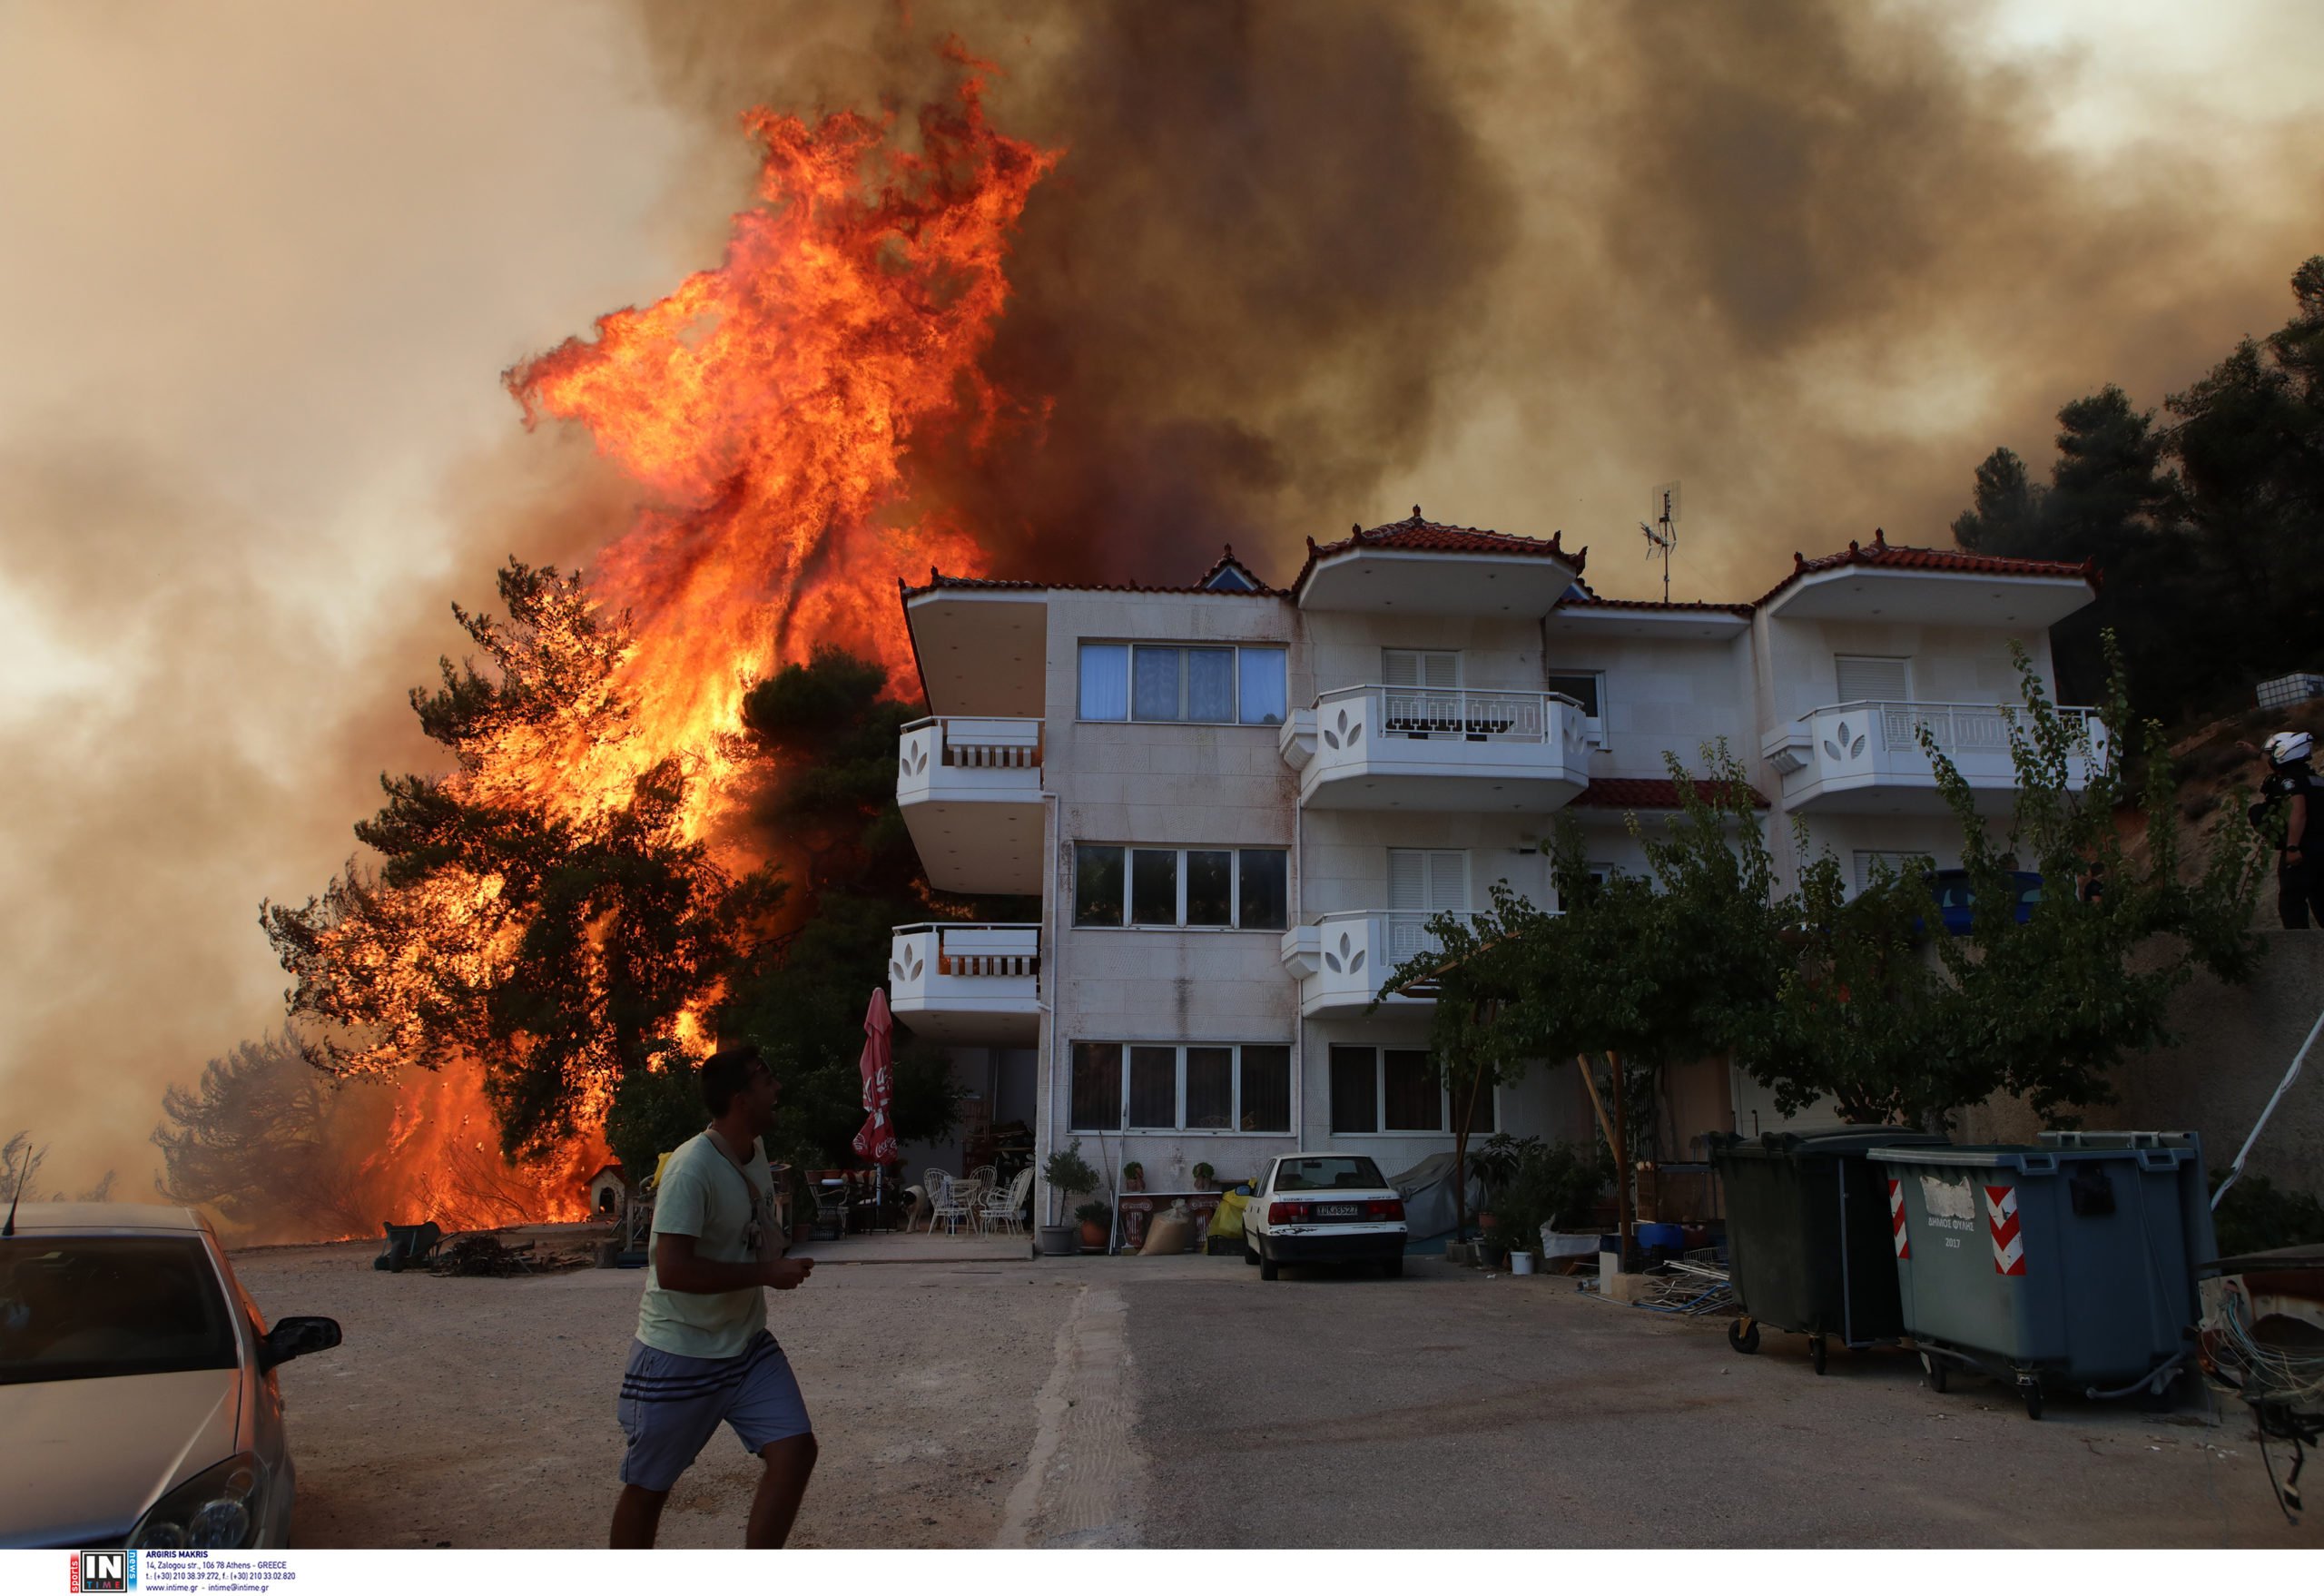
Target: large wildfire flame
x,y
766,410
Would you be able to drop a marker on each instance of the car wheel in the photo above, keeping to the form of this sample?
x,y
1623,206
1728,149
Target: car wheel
x,y
1250,1252
1394,1268
1266,1267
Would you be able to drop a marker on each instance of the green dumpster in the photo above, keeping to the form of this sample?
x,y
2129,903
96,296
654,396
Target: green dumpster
x,y
2071,1264
1808,1235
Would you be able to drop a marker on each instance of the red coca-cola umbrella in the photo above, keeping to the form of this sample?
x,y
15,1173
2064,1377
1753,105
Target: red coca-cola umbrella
x,y
877,1140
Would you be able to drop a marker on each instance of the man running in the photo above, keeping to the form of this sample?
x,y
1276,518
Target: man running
x,y
703,1354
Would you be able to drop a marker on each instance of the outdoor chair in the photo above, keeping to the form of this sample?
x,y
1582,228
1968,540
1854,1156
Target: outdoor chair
x,y
948,1203
1002,1208
934,1190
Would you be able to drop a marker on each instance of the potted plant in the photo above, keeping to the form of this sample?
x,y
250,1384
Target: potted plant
x,y
1097,1216
1070,1174
1203,1175
1133,1176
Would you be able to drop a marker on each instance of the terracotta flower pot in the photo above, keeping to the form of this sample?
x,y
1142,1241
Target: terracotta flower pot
x,y
1092,1233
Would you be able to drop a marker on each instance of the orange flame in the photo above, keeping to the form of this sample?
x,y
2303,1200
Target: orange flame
x,y
766,412
767,408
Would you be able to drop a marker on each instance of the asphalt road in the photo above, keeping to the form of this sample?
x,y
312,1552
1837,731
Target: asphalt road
x,y
1448,1409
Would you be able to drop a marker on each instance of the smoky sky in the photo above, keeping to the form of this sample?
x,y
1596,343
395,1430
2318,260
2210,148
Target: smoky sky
x,y
1301,265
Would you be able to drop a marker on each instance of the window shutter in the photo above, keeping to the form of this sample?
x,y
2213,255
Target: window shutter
x,y
1863,676
1407,880
1436,669
1448,882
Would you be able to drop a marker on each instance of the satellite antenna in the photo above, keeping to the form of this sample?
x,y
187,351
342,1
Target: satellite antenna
x,y
1663,535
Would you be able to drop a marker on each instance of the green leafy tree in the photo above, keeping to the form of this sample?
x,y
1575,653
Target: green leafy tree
x,y
2205,525
827,732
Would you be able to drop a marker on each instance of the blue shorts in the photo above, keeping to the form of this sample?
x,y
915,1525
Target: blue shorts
x,y
670,1405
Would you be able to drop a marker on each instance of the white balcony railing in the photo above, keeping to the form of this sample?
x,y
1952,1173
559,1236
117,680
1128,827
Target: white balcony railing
x,y
1340,959
1873,743
1376,746
964,981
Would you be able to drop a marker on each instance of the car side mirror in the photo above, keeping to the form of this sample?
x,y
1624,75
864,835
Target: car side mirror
x,y
295,1339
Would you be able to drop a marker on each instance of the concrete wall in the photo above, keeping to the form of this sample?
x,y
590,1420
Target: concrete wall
x,y
2235,1044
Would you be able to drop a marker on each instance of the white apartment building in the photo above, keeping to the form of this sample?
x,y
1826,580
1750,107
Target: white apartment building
x,y
1239,805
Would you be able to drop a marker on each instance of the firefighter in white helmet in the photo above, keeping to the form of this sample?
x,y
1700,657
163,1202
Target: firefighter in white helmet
x,y
2287,813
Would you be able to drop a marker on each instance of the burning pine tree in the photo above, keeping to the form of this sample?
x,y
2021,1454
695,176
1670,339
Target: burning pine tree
x,y
561,910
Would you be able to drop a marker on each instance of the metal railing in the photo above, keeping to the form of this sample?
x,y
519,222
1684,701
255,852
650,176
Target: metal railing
x,y
1475,714
1955,728
984,742
1006,951
1402,932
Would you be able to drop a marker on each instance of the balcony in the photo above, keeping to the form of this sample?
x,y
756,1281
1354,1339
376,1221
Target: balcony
x,y
1341,960
970,790
969,984
1865,757
1375,747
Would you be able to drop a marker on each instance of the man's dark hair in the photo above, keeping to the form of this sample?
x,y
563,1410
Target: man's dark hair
x,y
726,1072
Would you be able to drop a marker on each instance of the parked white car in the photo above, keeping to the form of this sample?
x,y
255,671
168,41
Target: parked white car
x,y
137,1389
1324,1207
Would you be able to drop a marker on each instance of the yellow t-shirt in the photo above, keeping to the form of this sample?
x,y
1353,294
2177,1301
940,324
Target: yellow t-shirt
x,y
729,1210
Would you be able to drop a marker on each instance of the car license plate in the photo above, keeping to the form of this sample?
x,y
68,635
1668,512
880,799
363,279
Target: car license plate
x,y
1335,1210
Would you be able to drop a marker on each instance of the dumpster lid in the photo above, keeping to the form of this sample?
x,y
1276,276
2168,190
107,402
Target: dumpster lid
x,y
1843,1142
2031,1159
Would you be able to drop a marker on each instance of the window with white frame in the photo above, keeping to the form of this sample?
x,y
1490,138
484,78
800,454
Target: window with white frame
x,y
1210,684
1394,1091
1599,873
1247,888
1865,678
1229,1086
1586,688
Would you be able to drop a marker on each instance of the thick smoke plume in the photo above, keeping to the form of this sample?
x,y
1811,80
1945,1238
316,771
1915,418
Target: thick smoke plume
x,y
1297,266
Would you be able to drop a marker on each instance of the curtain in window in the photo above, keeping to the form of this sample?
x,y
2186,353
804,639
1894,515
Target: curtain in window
x,y
1266,1088
1156,671
1416,1102
1265,692
1154,1089
1104,681
1355,1085
1097,1087
1210,683
1211,1088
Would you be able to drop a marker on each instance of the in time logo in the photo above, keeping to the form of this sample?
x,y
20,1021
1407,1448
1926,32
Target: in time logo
x,y
104,1571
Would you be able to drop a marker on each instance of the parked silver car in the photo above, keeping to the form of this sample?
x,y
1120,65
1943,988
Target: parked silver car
x,y
137,1389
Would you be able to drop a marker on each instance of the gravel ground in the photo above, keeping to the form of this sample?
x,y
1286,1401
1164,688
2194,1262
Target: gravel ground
x,y
1446,1409
480,1412
969,1403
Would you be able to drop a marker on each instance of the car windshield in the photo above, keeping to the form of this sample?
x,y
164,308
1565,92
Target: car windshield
x,y
87,1307
1328,1175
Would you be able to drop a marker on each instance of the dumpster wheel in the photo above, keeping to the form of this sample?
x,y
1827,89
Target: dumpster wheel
x,y
1818,1349
2029,1388
1934,1367
1743,1335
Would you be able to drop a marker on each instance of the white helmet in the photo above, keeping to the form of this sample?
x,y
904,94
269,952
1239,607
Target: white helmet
x,y
2290,747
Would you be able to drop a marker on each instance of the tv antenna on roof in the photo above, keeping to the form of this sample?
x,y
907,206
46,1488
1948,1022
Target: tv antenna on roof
x,y
1662,536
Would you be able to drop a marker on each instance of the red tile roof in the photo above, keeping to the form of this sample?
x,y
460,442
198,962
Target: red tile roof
x,y
1668,606
1898,558
937,581
1422,536
1639,793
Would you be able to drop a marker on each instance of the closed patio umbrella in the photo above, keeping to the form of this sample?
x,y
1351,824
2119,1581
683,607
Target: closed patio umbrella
x,y
876,1139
